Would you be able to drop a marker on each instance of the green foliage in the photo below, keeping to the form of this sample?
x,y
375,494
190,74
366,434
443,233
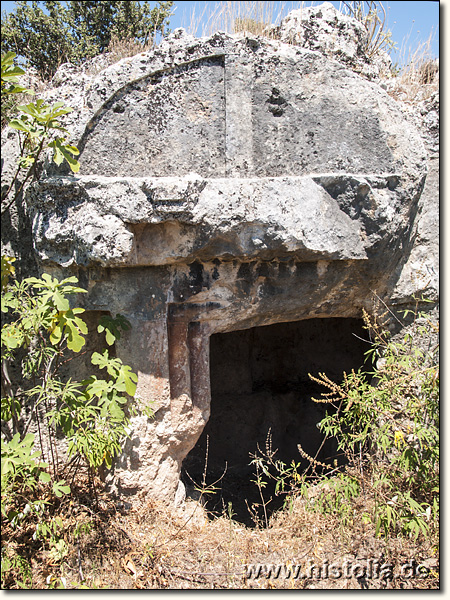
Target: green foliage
x,y
41,331
23,476
36,120
8,270
91,413
16,567
11,91
77,30
112,326
19,464
386,425
10,76
21,470
42,304
39,128
42,322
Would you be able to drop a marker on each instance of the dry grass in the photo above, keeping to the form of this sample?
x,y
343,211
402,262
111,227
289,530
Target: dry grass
x,y
150,546
262,18
419,71
119,49
256,18
124,48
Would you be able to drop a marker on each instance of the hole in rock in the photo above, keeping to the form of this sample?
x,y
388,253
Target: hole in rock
x,y
259,388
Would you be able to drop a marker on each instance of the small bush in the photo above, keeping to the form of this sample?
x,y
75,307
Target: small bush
x,y
90,418
76,31
386,424
38,128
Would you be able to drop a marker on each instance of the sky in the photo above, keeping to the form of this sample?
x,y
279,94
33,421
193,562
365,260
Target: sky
x,y
411,23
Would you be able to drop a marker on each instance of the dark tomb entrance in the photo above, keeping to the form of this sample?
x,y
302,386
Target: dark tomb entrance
x,y
260,388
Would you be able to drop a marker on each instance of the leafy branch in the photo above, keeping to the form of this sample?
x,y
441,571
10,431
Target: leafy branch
x,y
37,124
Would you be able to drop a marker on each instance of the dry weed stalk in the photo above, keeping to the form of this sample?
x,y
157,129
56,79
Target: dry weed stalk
x,y
419,75
373,17
256,18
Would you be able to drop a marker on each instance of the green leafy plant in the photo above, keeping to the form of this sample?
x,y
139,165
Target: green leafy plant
x,y
42,322
386,425
23,477
11,90
91,414
39,129
41,332
15,568
112,326
10,76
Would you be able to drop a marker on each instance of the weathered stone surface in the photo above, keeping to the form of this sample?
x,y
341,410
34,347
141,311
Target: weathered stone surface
x,y
226,183
142,221
338,36
420,272
307,145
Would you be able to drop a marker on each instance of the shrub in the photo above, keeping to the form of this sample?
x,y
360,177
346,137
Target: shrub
x,y
41,332
75,31
386,424
39,129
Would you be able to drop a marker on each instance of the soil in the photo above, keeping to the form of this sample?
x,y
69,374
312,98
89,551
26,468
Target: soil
x,y
153,546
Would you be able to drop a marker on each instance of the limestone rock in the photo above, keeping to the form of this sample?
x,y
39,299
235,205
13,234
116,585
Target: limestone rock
x,y
420,273
340,37
217,148
226,183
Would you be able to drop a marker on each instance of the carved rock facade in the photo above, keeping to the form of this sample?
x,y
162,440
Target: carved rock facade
x,y
226,183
